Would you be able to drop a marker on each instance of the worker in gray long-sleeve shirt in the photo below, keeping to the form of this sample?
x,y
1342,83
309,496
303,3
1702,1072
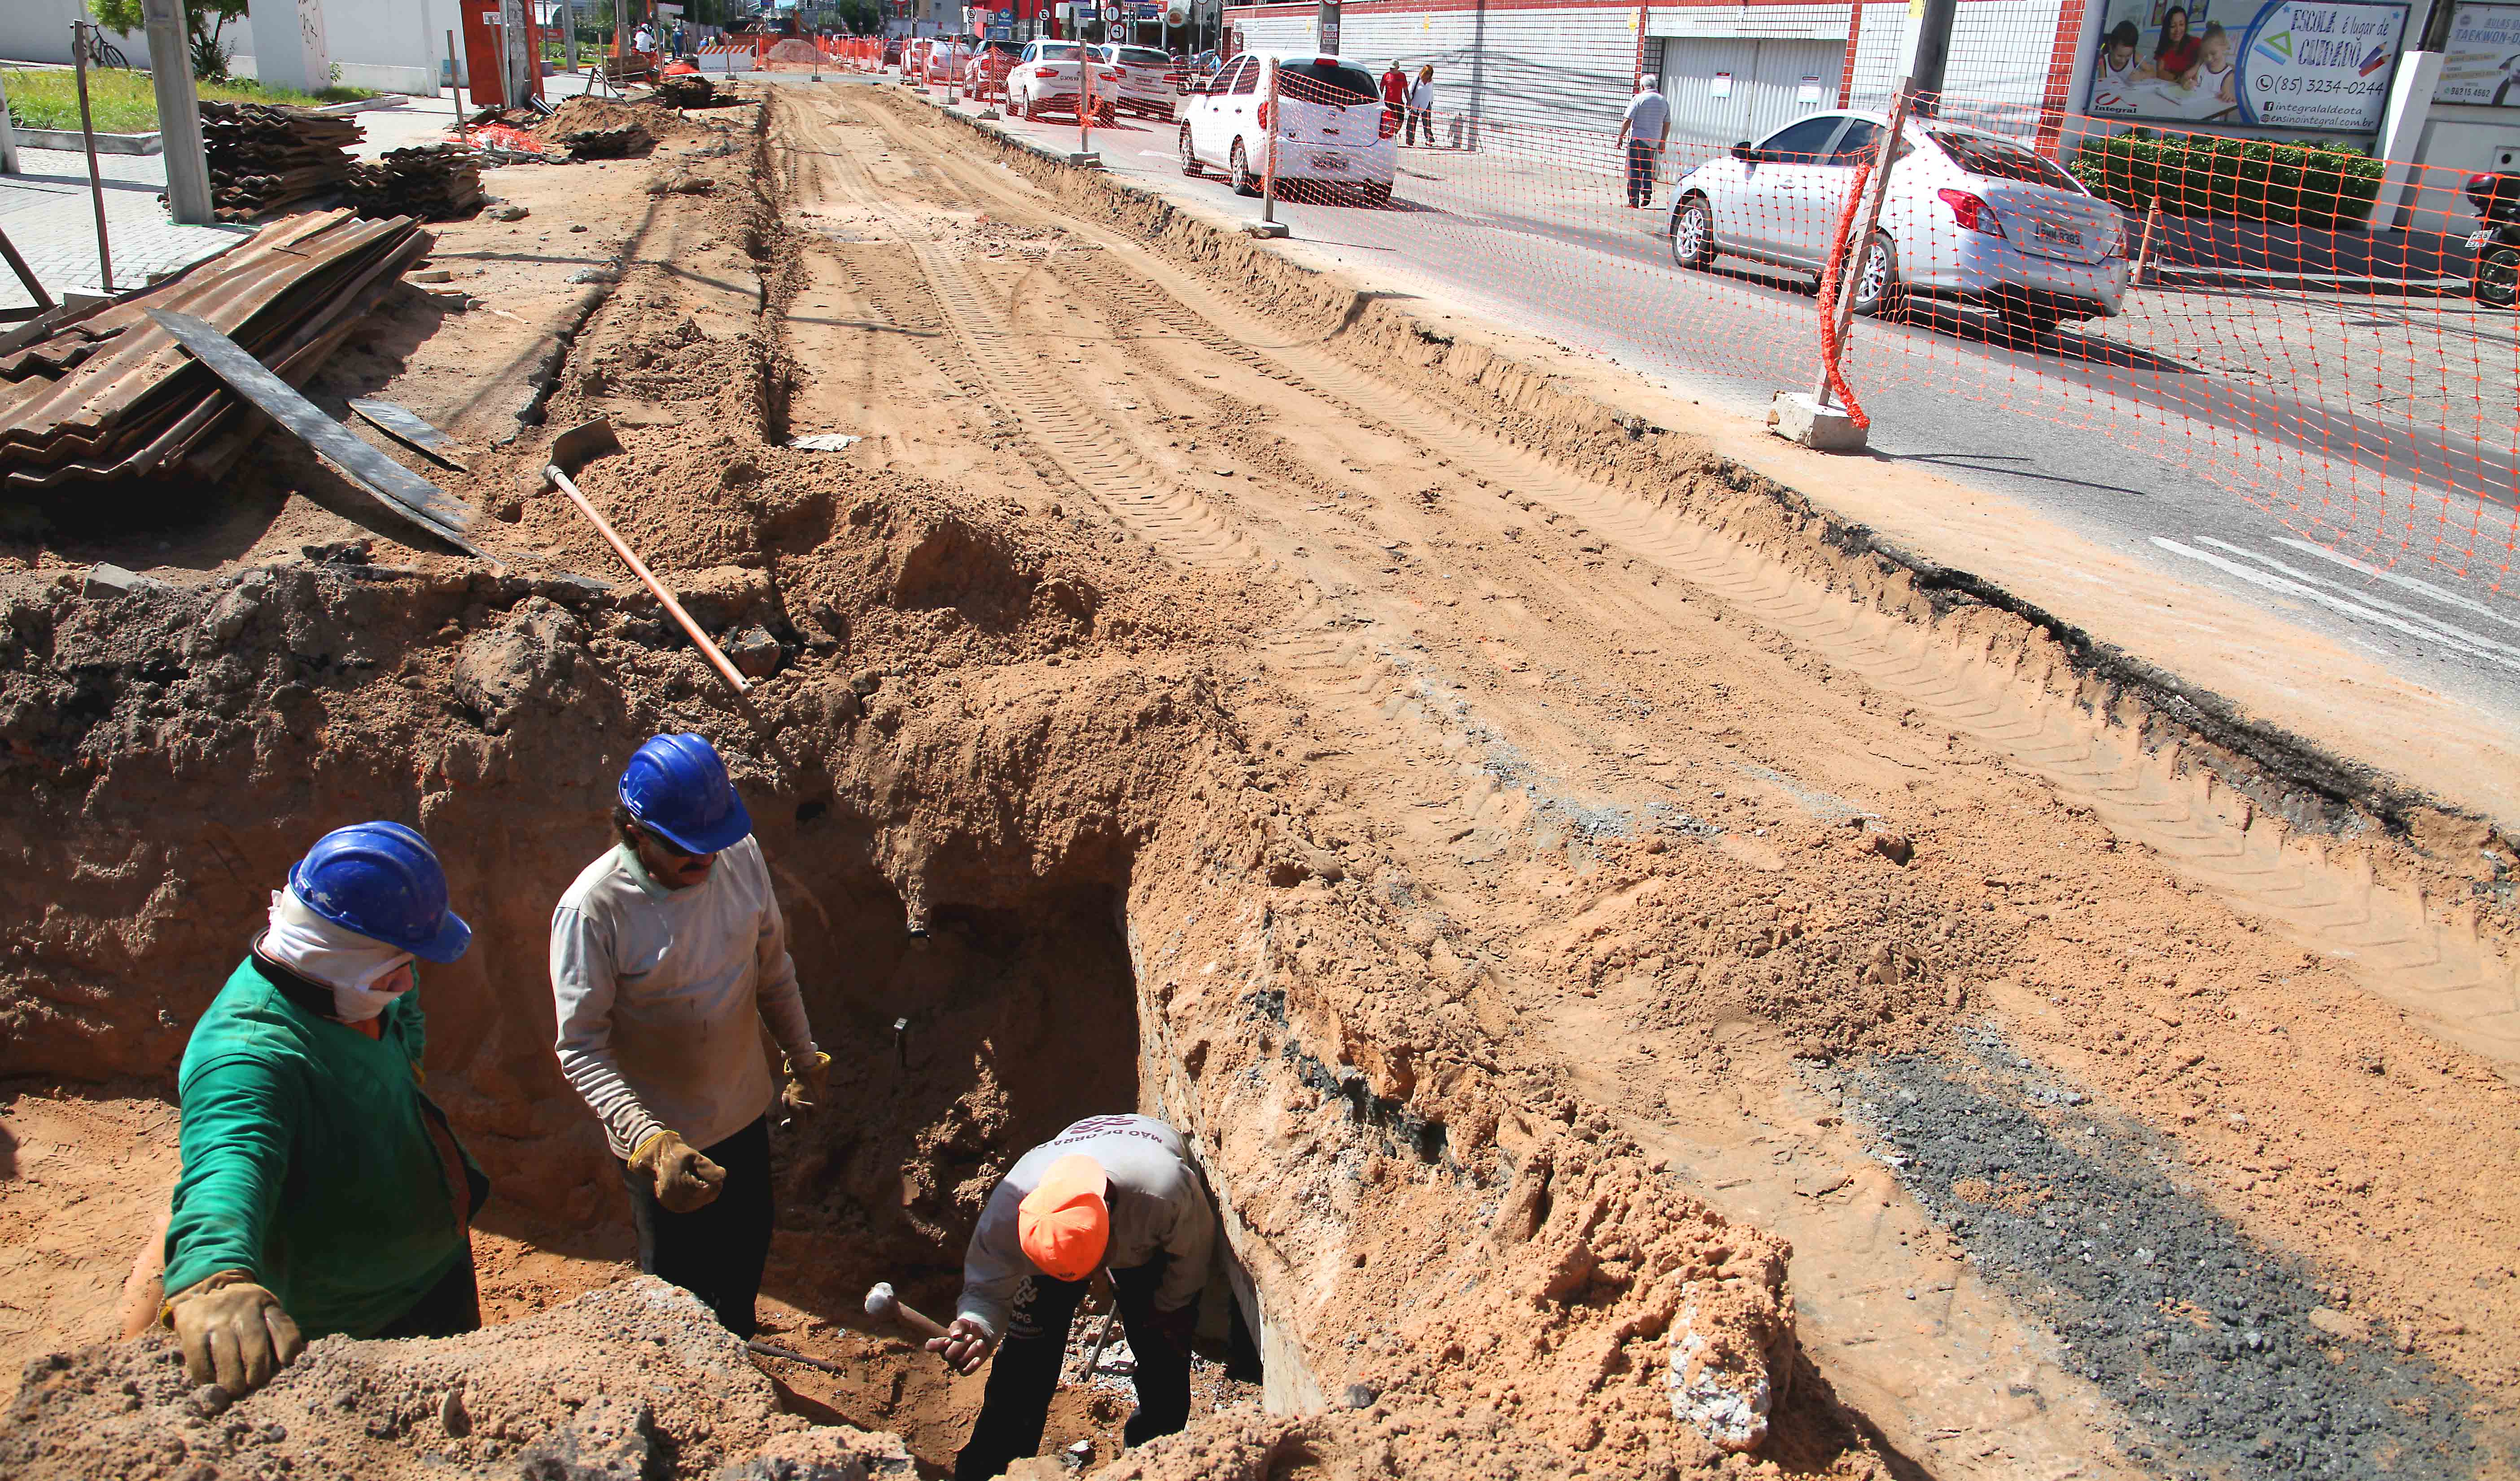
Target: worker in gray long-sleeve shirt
x,y
1111,1192
667,956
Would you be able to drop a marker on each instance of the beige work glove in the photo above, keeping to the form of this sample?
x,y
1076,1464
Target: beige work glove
x,y
233,1332
684,1179
805,1083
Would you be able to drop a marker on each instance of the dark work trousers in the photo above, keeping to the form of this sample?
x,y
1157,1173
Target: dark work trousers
x,y
448,1309
1024,1373
715,1251
1640,172
1418,120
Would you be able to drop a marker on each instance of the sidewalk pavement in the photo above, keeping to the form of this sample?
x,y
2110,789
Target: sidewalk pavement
x,y
50,218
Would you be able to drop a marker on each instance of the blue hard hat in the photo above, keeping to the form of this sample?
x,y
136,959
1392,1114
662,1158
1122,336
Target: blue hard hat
x,y
383,881
676,787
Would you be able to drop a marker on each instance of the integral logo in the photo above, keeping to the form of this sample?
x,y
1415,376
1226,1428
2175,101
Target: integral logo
x,y
2277,46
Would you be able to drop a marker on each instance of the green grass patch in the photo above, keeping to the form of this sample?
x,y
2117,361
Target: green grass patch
x,y
123,101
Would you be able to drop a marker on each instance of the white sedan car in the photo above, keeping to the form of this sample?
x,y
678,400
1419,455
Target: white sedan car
x,y
1329,124
1970,217
1044,80
1145,86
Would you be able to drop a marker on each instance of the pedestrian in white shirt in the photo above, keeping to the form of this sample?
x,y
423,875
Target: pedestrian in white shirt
x,y
1645,131
643,40
668,955
1422,109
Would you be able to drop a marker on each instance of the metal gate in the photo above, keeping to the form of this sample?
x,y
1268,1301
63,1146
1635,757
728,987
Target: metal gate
x,y
1726,89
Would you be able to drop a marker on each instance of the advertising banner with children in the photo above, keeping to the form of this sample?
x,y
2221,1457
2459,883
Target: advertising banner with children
x,y
2293,64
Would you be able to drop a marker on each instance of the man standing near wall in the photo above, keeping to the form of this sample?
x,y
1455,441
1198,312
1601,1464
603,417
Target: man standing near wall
x,y
668,955
1645,131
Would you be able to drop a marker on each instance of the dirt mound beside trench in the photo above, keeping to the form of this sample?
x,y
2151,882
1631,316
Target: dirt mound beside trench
x,y
633,1381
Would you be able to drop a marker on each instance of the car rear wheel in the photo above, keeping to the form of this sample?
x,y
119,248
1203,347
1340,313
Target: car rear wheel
x,y
1692,236
1245,183
1189,156
1878,295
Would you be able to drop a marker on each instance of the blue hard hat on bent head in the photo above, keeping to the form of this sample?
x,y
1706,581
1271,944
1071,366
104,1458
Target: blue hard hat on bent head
x,y
383,881
676,787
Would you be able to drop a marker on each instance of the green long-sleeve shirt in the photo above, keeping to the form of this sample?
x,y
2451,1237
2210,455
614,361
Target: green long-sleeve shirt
x,y
313,1158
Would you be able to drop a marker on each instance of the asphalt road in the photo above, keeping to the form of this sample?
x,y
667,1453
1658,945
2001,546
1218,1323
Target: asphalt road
x,y
2358,527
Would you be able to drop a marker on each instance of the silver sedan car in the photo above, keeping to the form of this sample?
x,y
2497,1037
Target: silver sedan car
x,y
1970,217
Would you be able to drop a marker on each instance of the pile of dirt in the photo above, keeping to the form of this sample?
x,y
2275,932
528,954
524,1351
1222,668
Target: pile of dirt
x,y
583,115
635,1380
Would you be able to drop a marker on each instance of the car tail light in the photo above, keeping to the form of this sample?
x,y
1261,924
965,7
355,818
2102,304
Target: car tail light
x,y
1390,123
1264,114
1971,212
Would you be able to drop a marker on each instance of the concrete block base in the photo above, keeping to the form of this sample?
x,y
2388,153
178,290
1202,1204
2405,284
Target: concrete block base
x,y
1086,161
1265,228
1797,417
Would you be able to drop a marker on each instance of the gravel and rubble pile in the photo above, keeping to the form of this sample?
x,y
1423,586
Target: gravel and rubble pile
x,y
636,1380
2232,1358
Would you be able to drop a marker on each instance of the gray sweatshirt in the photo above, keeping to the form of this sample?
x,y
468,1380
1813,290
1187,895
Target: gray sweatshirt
x,y
661,994
1157,1207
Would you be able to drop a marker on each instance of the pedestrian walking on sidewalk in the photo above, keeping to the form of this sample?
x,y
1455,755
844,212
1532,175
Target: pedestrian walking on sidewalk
x,y
1110,1193
321,1189
1645,131
1395,96
668,955
1422,109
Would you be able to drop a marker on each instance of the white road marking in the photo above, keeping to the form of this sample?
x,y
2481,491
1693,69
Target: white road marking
x,y
2275,583
2454,634
2450,597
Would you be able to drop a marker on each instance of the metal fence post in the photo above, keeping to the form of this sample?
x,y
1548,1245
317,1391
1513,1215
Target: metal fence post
x,y
95,177
1269,150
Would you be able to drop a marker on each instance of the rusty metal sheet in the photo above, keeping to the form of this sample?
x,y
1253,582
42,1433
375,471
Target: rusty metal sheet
x,y
406,426
407,493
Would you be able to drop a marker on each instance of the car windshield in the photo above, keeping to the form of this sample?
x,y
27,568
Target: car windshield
x,y
1985,155
1322,82
1059,54
1143,56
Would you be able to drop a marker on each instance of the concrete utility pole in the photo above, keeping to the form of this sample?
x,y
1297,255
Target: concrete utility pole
x,y
179,112
8,137
2401,128
1930,56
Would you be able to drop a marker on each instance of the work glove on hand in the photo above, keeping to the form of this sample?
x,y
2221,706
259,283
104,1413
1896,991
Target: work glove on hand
x,y
684,1179
965,1345
233,1332
805,1082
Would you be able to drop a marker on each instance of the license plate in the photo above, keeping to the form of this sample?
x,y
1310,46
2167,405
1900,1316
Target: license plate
x,y
2058,235
2479,239
1329,161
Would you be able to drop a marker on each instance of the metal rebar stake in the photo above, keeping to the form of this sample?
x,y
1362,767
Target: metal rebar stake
x,y
95,177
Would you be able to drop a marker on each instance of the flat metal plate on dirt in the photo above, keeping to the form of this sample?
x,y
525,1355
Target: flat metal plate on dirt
x,y
406,492
404,426
826,442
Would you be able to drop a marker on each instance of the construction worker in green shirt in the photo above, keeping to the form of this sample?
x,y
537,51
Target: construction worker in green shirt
x,y
321,1191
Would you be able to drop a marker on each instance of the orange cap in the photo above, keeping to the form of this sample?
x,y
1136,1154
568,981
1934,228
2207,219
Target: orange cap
x,y
1064,1225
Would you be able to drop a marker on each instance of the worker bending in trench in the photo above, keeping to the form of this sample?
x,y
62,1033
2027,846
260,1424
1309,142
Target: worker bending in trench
x,y
321,1189
1109,1193
666,954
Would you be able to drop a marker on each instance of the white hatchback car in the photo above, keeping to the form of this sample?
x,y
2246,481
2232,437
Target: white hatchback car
x,y
1330,125
1044,80
1971,217
1145,81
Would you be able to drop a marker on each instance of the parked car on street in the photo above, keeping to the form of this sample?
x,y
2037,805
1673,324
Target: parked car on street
x,y
1145,86
986,74
892,51
1044,80
1970,217
1330,125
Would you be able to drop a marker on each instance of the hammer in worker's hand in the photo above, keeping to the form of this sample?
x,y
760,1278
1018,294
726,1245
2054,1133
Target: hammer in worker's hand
x,y
881,1302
